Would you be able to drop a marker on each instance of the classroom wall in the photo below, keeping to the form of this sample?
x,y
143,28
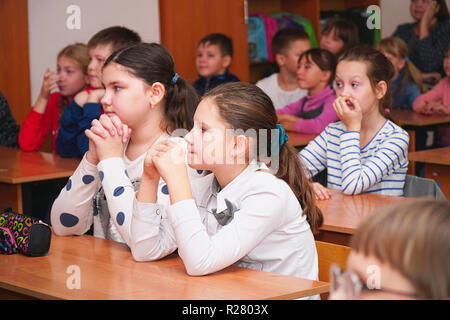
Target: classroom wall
x,y
49,33
394,13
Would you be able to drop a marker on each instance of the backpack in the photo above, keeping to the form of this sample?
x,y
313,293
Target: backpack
x,y
290,19
257,46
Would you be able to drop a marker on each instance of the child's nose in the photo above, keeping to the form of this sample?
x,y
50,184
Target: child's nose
x,y
91,65
106,99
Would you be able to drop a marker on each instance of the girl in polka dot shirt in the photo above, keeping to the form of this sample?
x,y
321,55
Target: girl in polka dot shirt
x,y
145,102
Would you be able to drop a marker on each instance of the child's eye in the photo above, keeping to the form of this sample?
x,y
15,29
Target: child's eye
x,y
338,84
117,88
355,84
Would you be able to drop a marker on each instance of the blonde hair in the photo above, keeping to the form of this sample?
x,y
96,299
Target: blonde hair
x,y
79,53
398,48
414,239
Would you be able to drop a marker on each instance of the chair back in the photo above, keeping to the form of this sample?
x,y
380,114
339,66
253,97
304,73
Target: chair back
x,y
329,253
418,187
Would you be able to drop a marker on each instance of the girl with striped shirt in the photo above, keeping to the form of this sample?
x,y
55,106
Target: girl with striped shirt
x,y
364,152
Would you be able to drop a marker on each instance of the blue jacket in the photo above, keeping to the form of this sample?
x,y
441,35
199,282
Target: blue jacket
x,y
71,141
202,85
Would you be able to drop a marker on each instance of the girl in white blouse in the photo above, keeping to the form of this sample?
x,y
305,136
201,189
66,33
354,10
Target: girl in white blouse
x,y
246,212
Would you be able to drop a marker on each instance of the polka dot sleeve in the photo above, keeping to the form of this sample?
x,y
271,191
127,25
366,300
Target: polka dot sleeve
x,y
143,226
72,211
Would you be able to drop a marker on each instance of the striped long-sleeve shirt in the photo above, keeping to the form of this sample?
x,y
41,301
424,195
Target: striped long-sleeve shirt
x,y
378,167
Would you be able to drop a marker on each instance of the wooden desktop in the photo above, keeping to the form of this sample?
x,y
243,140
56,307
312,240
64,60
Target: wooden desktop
x,y
343,213
106,270
19,169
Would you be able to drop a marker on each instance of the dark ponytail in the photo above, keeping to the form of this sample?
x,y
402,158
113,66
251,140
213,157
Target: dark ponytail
x,y
245,106
152,63
291,170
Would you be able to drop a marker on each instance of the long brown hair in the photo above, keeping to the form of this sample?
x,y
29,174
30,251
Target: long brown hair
x,y
245,106
152,63
78,52
378,68
442,14
413,238
398,48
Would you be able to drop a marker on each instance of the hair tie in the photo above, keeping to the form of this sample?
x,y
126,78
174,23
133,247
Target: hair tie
x,y
175,78
406,59
283,137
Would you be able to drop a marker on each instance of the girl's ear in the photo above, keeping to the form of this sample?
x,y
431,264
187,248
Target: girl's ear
x,y
380,89
401,64
240,148
325,76
156,93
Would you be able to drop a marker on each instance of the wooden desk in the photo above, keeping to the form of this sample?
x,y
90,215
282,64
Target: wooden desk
x,y
18,169
108,271
297,139
411,118
342,214
437,166
408,119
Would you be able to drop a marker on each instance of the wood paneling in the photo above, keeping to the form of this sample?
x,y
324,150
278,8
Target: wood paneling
x,y
14,57
185,22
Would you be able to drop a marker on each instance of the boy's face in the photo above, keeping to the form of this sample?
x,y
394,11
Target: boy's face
x,y
97,56
289,60
210,62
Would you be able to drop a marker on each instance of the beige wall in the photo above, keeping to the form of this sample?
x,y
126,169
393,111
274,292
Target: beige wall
x,y
48,32
393,13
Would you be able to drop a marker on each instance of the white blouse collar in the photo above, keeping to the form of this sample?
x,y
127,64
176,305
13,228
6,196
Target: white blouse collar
x,y
231,190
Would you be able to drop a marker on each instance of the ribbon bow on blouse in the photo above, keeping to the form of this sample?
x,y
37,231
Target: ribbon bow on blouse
x,y
224,217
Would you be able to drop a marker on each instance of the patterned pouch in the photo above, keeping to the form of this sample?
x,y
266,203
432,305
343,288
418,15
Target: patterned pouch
x,y
7,243
32,236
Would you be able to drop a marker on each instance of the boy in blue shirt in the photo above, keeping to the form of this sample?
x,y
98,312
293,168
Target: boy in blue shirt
x,y
214,55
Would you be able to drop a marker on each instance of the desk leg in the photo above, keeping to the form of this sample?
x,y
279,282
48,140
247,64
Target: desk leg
x,y
412,148
440,174
11,195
